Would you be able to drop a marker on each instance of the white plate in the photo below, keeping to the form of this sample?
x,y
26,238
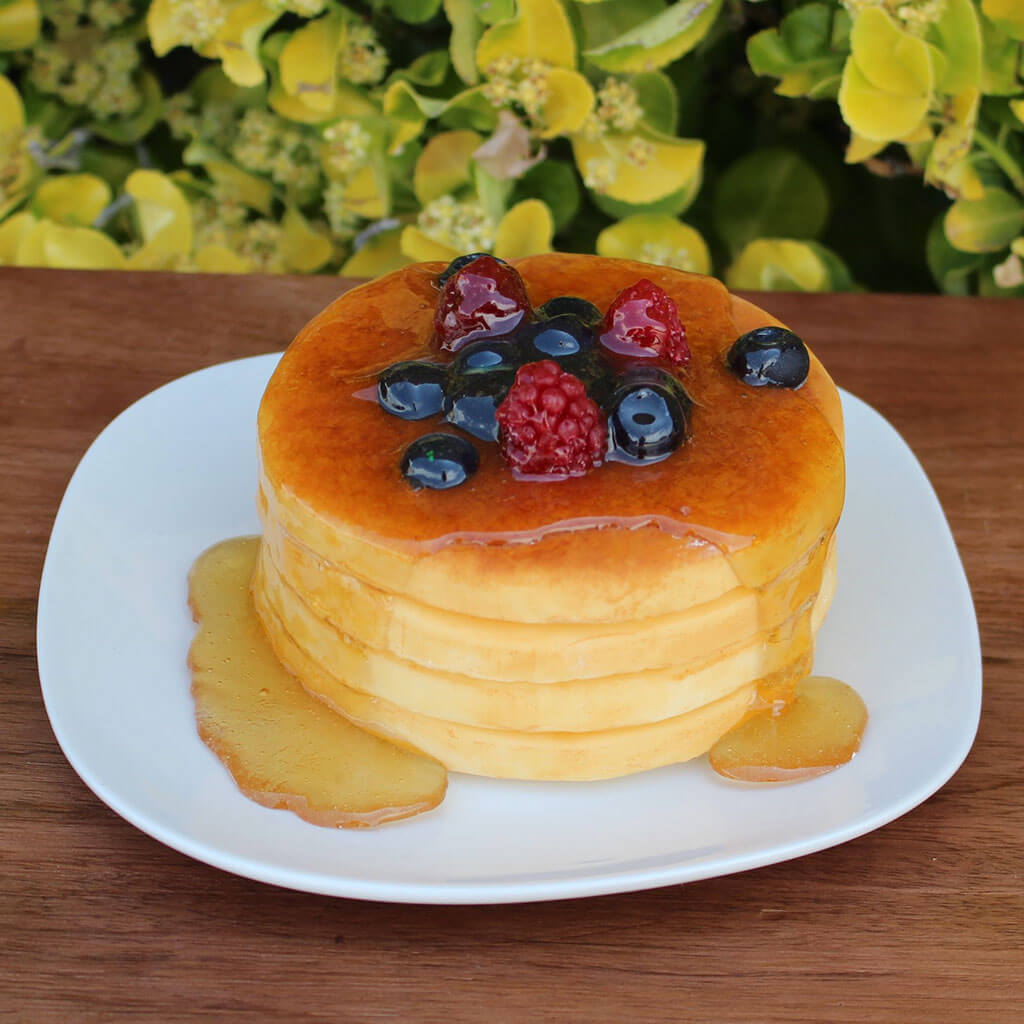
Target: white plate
x,y
177,472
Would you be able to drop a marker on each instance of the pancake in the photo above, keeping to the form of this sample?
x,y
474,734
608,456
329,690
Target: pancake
x,y
576,629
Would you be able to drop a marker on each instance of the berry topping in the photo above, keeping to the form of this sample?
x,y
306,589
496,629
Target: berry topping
x,y
770,355
412,390
457,264
556,338
647,421
487,355
569,305
485,298
439,461
547,424
643,322
473,400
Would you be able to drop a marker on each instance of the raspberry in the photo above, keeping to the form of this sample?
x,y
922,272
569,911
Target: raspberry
x,y
548,426
643,321
485,297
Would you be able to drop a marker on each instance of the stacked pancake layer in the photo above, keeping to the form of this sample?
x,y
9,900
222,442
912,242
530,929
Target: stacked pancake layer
x,y
577,630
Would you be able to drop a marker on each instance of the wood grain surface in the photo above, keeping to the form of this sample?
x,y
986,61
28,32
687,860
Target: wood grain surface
x,y
922,920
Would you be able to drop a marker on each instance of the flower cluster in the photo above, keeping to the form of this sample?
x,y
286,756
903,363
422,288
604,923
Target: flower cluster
x,y
79,59
513,81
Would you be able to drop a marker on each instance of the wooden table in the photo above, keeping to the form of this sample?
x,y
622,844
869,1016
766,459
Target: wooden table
x,y
921,920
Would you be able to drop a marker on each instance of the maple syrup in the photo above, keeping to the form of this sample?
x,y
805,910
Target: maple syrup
x,y
816,731
283,747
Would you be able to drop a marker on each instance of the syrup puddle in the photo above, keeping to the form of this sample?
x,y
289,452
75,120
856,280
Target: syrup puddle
x,y
284,748
818,730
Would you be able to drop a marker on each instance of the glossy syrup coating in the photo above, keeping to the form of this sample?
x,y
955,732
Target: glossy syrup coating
x,y
761,478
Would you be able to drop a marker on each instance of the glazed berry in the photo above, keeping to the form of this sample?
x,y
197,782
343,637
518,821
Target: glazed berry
x,y
548,426
473,400
439,461
412,390
647,421
557,338
770,355
457,264
569,305
486,356
642,322
483,299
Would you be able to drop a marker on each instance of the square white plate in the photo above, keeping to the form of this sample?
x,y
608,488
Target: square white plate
x,y
176,473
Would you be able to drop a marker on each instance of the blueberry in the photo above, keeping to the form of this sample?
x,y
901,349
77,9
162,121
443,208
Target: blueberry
x,y
648,419
473,400
457,264
770,355
569,305
439,461
412,390
559,338
485,356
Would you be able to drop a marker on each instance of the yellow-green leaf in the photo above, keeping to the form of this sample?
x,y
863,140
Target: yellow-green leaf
x,y
54,245
219,259
12,110
1007,15
255,192
367,193
308,62
778,264
20,167
12,233
525,230
859,148
660,40
656,238
165,218
1017,106
958,35
876,115
470,109
638,168
570,99
164,26
348,102
948,166
422,248
988,224
238,40
890,59
540,31
380,254
408,112
444,164
466,31
304,248
19,24
75,199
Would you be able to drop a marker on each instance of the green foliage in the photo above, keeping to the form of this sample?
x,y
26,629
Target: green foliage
x,y
772,193
809,144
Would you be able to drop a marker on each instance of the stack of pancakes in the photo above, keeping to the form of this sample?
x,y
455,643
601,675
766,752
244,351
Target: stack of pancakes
x,y
579,629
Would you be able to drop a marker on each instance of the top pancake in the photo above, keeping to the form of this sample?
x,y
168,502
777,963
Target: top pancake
x,y
759,484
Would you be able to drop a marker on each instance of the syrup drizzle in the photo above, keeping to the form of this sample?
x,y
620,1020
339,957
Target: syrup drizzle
x,y
283,747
